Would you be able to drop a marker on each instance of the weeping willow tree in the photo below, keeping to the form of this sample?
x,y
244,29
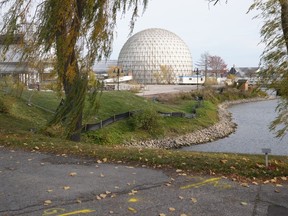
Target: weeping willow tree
x,y
274,60
77,33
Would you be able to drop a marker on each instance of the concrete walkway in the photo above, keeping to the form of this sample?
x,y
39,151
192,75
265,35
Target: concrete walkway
x,y
160,89
41,184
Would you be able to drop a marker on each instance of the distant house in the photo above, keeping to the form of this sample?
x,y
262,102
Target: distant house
x,y
243,84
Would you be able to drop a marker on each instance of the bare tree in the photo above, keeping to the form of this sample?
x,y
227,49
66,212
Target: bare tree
x,y
217,65
203,63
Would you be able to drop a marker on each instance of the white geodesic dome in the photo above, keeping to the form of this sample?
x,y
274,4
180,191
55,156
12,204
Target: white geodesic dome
x,y
145,52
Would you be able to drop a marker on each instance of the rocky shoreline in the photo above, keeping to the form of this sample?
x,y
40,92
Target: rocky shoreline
x,y
221,129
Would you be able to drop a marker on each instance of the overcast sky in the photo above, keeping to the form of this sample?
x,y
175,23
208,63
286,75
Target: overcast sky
x,y
225,30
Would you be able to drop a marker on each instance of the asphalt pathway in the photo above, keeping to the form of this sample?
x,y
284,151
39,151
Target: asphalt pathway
x,y
33,183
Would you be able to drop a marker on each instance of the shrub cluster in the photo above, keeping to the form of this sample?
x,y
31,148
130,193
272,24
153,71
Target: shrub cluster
x,y
148,120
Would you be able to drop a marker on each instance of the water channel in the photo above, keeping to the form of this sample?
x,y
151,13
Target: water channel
x,y
252,133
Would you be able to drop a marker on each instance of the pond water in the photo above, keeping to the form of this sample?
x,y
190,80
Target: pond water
x,y
252,133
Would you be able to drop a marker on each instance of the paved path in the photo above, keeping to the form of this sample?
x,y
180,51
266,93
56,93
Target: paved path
x,y
160,89
40,184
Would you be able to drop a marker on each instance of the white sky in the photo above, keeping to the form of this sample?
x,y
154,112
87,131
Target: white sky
x,y
225,30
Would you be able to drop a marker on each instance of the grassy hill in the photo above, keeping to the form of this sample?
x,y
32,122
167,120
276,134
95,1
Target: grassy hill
x,y
43,104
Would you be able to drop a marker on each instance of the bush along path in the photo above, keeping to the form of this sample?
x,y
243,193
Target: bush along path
x,y
221,129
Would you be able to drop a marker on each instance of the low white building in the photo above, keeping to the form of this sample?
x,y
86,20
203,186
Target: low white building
x,y
11,63
191,80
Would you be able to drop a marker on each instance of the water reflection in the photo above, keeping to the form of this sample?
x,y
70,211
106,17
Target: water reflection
x,y
252,133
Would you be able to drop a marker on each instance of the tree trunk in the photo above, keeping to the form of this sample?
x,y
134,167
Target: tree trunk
x,y
74,82
284,20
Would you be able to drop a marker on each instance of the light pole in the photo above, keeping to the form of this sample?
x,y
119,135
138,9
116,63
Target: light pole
x,y
197,74
117,71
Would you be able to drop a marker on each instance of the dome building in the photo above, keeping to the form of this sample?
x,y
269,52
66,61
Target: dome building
x,y
155,56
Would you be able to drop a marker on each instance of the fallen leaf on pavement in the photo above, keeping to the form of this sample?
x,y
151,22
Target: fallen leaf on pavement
x,y
66,187
133,192
47,202
194,200
244,185
132,209
172,209
103,196
73,174
244,203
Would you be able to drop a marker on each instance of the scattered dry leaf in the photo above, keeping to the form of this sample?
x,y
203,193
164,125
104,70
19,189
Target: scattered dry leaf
x,y
133,192
132,209
47,202
260,165
103,196
73,174
181,198
244,185
66,187
224,161
244,203
284,178
194,200
172,209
